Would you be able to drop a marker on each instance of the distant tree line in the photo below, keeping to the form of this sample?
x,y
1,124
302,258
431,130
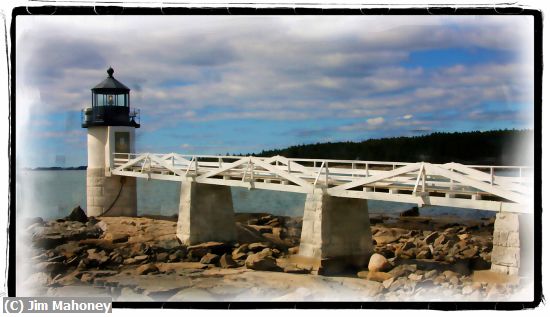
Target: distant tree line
x,y
497,147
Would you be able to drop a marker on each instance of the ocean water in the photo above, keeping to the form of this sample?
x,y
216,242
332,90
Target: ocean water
x,y
53,194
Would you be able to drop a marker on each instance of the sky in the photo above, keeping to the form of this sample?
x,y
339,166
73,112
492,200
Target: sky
x,y
242,84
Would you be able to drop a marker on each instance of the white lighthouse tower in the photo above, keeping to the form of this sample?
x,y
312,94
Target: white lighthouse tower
x,y
111,133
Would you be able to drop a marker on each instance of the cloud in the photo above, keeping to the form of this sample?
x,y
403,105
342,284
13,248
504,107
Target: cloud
x,y
375,121
215,69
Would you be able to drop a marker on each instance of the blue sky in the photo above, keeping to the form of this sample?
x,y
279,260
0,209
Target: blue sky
x,y
241,84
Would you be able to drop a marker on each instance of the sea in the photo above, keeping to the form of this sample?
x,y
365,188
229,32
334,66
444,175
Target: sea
x,y
53,194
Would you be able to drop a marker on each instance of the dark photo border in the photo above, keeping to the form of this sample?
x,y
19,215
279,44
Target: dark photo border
x,y
117,10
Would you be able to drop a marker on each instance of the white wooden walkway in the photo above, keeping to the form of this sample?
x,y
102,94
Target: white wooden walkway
x,y
495,188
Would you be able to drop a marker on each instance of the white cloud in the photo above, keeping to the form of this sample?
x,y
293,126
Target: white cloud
x,y
407,116
375,121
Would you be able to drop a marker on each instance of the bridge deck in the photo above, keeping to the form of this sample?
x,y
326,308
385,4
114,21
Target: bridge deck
x,y
496,188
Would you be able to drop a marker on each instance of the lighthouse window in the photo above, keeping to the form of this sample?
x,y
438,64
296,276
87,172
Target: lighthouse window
x,y
111,100
122,142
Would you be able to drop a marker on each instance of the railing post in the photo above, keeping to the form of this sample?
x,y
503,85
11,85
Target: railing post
x,y
196,166
423,180
492,175
326,172
452,181
367,169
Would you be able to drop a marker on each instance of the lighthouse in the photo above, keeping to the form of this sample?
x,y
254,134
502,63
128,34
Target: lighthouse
x,y
111,125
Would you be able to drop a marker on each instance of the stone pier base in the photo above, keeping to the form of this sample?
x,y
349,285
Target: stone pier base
x,y
205,214
102,192
336,233
505,257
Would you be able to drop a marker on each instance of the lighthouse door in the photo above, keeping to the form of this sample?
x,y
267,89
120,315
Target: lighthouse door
x,y
122,142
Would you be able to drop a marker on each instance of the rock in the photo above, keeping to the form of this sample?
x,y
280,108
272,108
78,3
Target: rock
x,y
165,267
279,233
430,274
387,253
167,244
415,277
69,250
294,250
387,283
200,250
226,261
116,237
178,255
162,257
92,221
262,261
77,215
375,276
431,238
262,229
102,225
295,269
116,259
378,263
454,280
258,246
87,278
48,241
440,240
425,254
146,269
470,253
97,258
83,264
97,243
408,246
59,258
402,270
265,219
448,274
464,236
445,238
243,248
210,258
385,239
130,261
141,258
413,212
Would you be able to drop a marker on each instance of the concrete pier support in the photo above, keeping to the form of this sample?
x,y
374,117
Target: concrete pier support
x,y
336,233
205,214
103,192
505,257
513,247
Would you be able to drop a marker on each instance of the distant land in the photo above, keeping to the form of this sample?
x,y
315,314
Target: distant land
x,y
57,168
496,147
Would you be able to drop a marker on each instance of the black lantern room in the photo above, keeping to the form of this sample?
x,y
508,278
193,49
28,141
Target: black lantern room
x,y
110,105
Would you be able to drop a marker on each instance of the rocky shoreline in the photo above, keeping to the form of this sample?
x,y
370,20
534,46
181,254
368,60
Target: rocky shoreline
x,y
140,259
